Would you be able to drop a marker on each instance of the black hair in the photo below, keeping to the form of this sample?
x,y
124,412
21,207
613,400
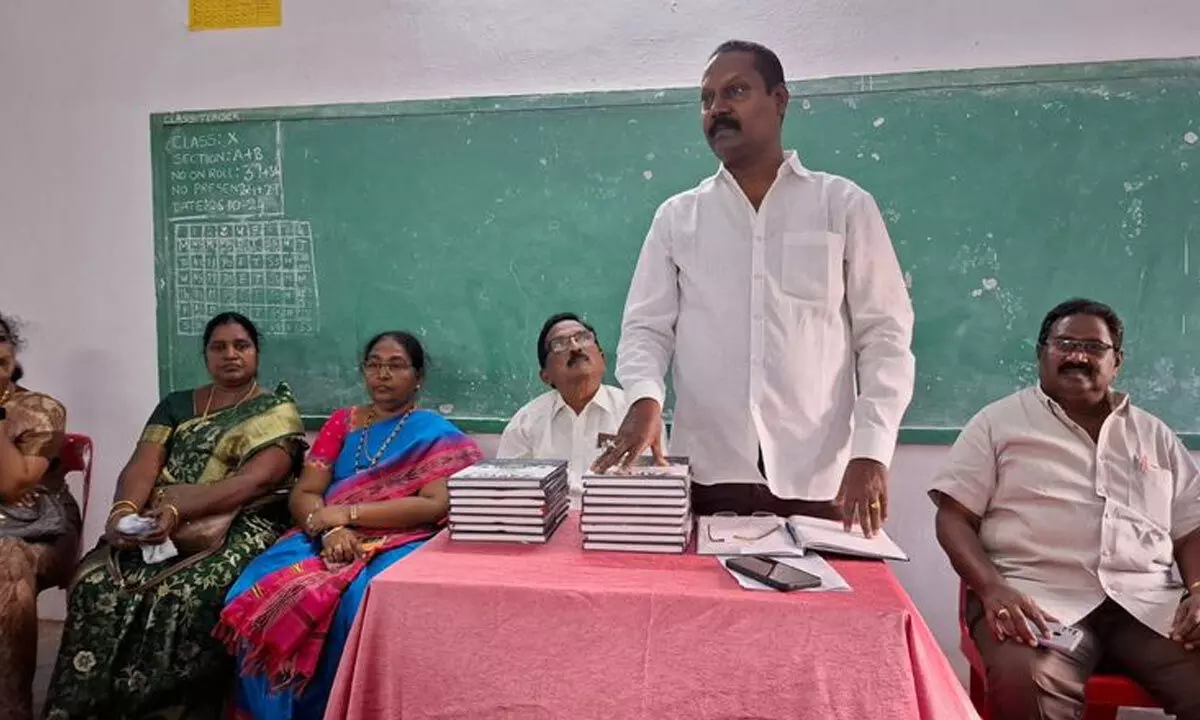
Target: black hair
x,y
543,350
231,318
410,343
1083,306
12,331
766,62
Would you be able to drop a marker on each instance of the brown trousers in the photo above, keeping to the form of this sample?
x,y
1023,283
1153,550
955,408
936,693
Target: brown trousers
x,y
1027,683
748,498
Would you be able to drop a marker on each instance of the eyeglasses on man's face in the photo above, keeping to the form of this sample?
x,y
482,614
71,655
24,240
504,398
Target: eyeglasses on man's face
x,y
563,343
1069,346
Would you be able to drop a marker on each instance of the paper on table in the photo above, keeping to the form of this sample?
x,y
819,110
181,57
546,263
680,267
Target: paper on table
x,y
717,535
831,580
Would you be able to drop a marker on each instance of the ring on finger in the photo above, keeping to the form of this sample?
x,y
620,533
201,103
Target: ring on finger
x,y
1002,612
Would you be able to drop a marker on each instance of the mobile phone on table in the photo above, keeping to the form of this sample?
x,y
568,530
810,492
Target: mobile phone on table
x,y
772,573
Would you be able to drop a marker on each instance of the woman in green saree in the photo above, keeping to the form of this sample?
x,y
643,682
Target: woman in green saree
x,y
138,637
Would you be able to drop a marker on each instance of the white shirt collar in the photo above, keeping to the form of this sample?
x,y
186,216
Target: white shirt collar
x,y
791,163
1120,400
602,399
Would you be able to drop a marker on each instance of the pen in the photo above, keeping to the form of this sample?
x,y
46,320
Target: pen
x,y
792,534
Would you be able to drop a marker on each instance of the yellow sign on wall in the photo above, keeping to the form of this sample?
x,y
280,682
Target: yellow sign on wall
x,y
226,14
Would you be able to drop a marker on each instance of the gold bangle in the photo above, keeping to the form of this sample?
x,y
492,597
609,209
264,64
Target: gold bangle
x,y
354,513
1193,586
122,504
332,530
172,508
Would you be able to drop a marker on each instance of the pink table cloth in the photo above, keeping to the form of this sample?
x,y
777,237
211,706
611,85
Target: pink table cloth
x,y
487,631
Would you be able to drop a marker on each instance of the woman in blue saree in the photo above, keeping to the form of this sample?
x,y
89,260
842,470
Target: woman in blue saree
x,y
373,490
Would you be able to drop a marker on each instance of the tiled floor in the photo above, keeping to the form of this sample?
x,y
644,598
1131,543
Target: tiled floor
x,y
49,633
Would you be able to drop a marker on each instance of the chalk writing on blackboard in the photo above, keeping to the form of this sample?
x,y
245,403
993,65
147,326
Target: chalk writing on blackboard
x,y
262,268
226,173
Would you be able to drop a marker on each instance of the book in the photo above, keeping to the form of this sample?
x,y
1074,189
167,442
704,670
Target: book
x,y
491,502
532,539
508,534
589,498
641,519
676,539
589,528
530,511
637,493
524,524
555,486
645,468
829,536
509,474
636,481
633,547
634,510
518,520
795,536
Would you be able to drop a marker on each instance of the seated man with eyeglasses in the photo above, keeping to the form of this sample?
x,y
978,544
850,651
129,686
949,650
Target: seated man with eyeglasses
x,y
565,423
1066,503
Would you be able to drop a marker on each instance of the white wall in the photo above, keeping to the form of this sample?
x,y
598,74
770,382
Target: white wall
x,y
79,79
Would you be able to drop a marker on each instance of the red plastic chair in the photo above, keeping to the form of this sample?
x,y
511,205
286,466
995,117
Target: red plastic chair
x,y
76,456
1103,695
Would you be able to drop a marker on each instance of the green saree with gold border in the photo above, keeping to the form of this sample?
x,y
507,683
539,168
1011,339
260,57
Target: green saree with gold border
x,y
130,654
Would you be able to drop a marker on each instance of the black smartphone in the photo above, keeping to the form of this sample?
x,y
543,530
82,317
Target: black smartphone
x,y
774,574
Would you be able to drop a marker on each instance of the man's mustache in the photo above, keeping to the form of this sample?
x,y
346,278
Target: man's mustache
x,y
1068,367
576,356
726,122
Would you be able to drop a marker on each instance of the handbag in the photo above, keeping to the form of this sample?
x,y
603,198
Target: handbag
x,y
208,533
44,519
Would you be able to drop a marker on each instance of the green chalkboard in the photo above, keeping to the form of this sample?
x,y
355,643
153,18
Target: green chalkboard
x,y
469,221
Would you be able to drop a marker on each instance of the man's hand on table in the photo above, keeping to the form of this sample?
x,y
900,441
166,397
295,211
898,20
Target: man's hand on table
x,y
863,496
641,428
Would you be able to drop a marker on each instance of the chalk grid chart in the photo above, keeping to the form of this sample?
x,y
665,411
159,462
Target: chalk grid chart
x,y
262,268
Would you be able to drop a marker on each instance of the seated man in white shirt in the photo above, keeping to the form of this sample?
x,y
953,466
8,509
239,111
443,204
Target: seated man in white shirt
x,y
564,423
1065,502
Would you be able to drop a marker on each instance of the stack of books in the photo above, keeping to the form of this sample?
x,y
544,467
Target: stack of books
x,y
646,508
521,501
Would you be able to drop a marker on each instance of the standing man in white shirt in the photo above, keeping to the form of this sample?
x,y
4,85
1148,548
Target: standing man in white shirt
x,y
774,293
564,423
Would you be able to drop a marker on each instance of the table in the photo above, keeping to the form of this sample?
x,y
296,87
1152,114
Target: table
x,y
488,631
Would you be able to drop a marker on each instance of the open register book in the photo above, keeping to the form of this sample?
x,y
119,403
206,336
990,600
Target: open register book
x,y
716,535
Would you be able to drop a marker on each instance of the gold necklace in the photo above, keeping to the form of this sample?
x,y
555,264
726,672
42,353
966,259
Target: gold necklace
x,y
7,392
211,393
